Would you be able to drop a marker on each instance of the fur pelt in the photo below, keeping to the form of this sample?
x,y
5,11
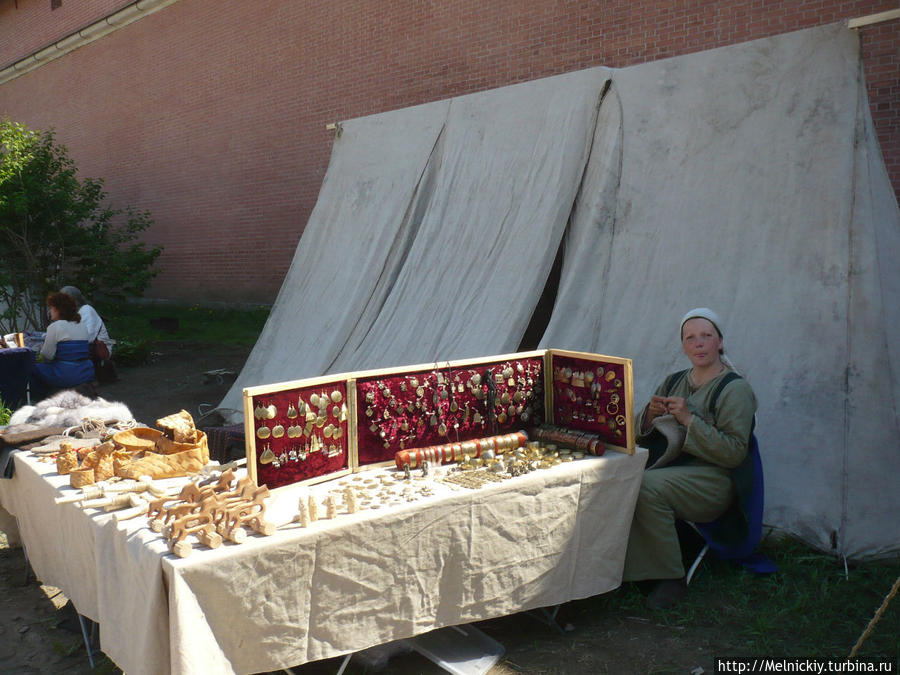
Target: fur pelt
x,y
68,408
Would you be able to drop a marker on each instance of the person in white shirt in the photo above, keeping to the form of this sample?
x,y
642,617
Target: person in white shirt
x,y
92,322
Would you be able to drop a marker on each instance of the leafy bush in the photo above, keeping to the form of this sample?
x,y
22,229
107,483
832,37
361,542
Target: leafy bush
x,y
132,352
55,230
5,413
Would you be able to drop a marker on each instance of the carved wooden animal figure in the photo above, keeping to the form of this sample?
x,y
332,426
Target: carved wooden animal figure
x,y
225,480
192,493
235,495
226,501
250,511
156,513
186,501
199,523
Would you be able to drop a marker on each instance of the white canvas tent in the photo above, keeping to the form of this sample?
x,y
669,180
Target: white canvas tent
x,y
746,178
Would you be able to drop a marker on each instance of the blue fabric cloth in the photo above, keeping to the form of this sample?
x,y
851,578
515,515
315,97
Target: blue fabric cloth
x,y
71,366
15,365
752,505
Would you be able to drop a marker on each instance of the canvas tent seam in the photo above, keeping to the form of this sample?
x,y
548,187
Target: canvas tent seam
x,y
855,149
564,238
569,252
408,239
615,210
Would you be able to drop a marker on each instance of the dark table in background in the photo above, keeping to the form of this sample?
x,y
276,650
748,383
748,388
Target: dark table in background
x,y
14,367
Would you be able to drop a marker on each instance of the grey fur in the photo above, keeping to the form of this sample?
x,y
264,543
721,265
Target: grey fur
x,y
67,409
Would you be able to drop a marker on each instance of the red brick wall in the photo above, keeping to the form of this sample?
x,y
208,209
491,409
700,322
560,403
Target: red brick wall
x,y
29,25
211,114
881,59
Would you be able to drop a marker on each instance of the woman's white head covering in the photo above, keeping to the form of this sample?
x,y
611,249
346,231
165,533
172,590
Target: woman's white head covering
x,y
703,313
713,318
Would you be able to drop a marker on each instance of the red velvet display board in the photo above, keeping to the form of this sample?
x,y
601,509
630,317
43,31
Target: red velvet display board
x,y
300,433
320,428
592,395
435,406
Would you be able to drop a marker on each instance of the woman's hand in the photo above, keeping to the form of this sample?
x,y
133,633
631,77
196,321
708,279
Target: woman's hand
x,y
677,407
657,407
662,405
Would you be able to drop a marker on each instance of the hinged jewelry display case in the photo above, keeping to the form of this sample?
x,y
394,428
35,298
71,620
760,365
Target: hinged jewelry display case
x,y
299,432
316,429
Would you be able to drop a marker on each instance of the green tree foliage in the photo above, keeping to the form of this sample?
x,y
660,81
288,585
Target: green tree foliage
x,y
55,229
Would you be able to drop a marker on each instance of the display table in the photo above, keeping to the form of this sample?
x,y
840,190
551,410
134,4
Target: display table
x,y
339,585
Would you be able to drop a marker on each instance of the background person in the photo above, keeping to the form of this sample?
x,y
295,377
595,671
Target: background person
x,y
698,485
90,318
65,360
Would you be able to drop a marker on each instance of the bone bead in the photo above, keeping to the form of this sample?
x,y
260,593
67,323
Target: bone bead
x,y
302,516
350,498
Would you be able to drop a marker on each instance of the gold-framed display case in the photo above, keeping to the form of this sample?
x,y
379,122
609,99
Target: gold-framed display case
x,y
316,429
592,393
299,432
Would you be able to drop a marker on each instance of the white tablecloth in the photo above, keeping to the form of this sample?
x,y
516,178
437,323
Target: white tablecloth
x,y
340,585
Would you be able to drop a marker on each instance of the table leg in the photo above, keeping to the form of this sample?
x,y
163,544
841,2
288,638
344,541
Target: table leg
x,y
29,574
547,616
87,639
344,664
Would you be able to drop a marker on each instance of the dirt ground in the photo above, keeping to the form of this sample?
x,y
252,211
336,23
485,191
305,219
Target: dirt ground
x,y
595,635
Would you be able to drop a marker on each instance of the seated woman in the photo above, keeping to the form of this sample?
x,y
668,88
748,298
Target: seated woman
x,y
65,359
697,485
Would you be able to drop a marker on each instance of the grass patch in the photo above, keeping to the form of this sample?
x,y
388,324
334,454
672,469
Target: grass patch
x,y
136,326
808,608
